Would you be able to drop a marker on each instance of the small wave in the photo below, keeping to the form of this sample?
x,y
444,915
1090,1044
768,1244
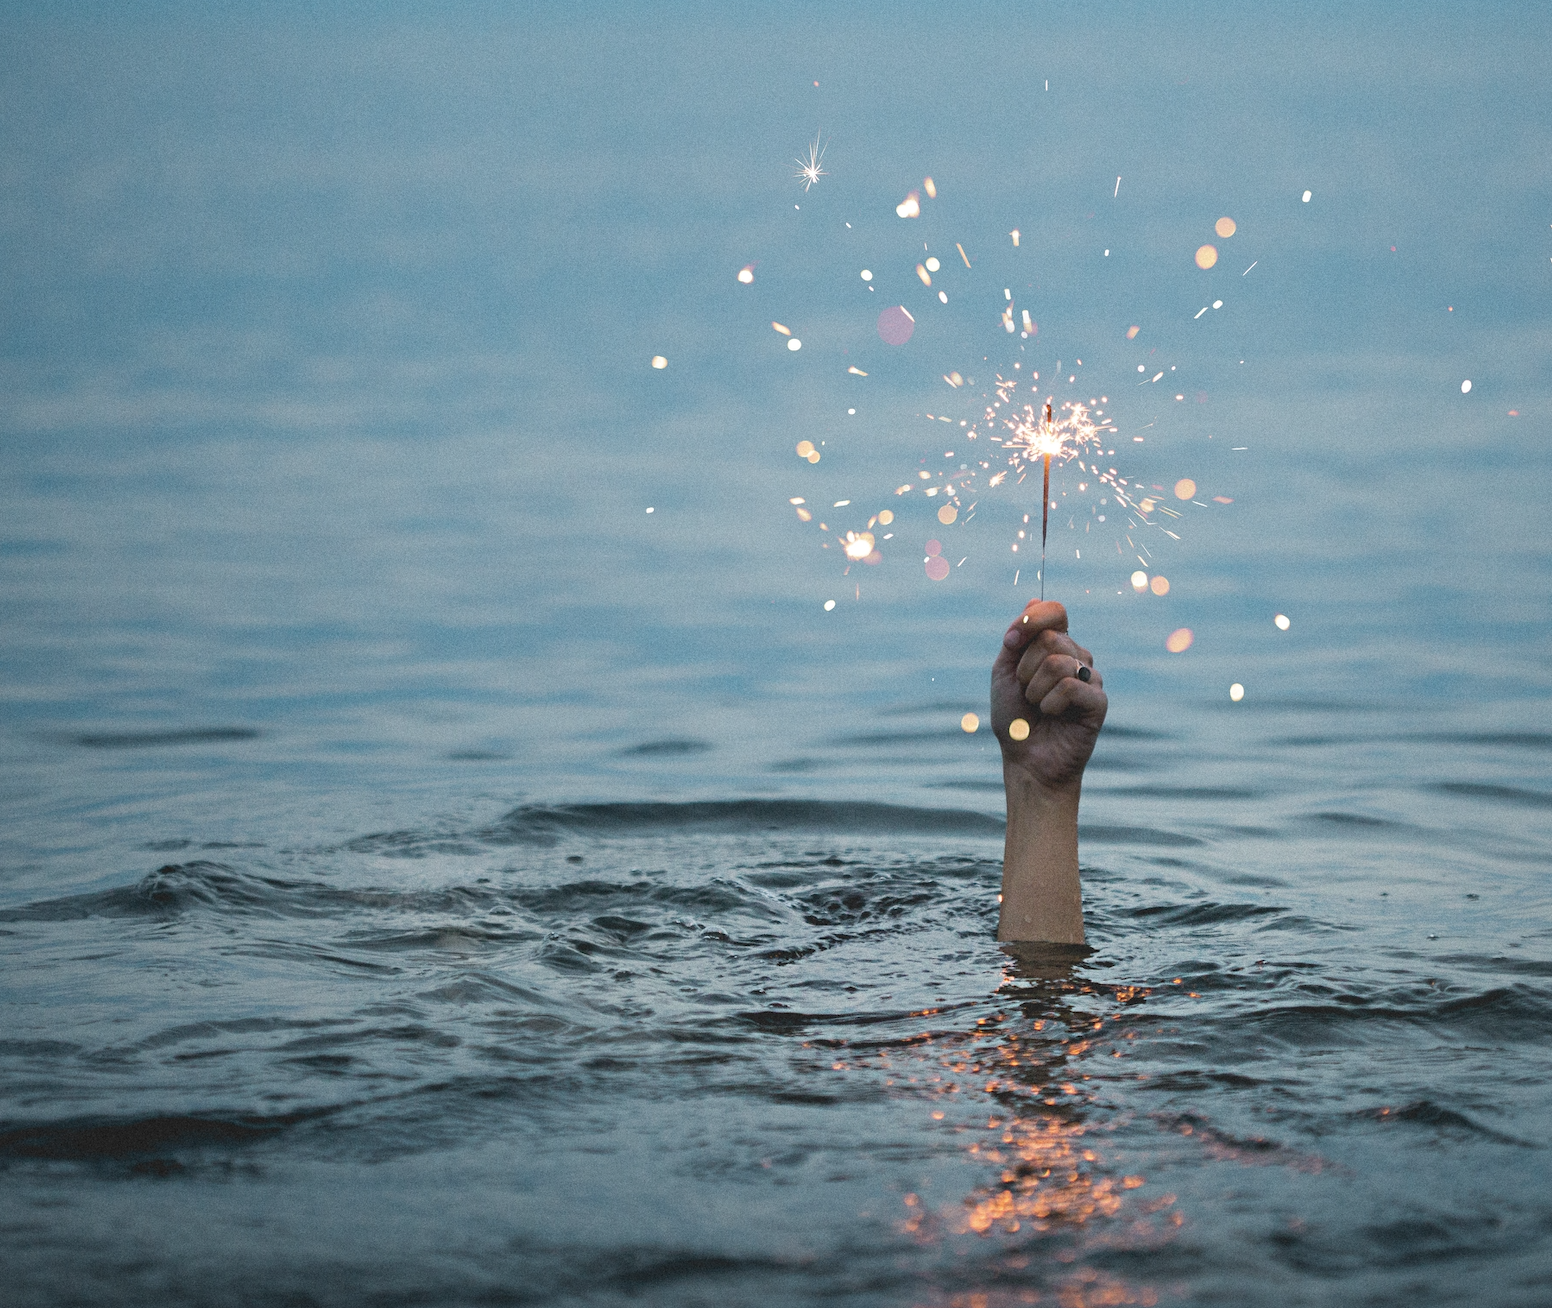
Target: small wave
x,y
666,748
1203,914
1357,820
172,889
1509,794
1111,835
118,1140
741,816
146,739
1424,1112
1181,792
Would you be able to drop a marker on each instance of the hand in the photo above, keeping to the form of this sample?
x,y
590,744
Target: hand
x,y
1038,678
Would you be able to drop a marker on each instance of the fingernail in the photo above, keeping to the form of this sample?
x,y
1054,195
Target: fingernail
x,y
1011,638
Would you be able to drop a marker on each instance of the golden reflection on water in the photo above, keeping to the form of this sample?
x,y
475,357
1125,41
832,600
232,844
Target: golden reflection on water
x,y
1050,1195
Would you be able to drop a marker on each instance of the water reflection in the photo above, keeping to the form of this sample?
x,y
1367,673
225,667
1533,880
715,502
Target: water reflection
x,y
1052,1201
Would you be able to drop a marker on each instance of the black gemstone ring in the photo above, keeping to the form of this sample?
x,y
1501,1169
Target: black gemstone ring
x,y
1083,673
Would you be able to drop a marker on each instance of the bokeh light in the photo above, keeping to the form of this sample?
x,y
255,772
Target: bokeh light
x,y
932,264
1225,227
895,325
805,448
1206,256
933,547
1139,581
867,274
746,274
969,723
1131,332
886,516
1179,640
1159,585
1185,488
1236,692
658,361
910,207
829,604
947,514
1465,387
813,456
1018,729
794,344
937,567
1282,622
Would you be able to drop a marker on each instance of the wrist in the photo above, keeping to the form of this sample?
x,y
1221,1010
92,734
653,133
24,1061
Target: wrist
x,y
1028,787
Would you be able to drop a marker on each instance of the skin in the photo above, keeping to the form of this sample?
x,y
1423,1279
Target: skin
x,y
1035,679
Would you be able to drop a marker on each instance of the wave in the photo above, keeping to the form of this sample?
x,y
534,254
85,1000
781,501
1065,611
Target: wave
x,y
146,739
540,823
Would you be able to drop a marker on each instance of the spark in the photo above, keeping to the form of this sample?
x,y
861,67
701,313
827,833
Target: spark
x,y
810,172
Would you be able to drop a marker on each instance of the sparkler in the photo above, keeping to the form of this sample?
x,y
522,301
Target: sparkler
x,y
1026,431
1045,498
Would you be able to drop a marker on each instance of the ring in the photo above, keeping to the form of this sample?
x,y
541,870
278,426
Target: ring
x,y
1083,673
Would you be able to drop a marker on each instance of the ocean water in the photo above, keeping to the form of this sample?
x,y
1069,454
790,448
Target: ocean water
x,y
428,877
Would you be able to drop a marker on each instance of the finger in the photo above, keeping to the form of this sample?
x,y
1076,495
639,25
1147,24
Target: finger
x,y
1053,670
1072,698
1038,616
1046,643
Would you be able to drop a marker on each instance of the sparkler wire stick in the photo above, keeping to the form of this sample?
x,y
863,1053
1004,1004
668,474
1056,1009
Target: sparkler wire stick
x,y
1045,499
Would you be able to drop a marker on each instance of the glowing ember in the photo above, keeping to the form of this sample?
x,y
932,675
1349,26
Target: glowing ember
x,y
1131,332
810,172
746,274
932,190
782,328
858,545
910,207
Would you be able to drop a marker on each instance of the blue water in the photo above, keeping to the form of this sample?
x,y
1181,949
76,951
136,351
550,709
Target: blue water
x,y
427,877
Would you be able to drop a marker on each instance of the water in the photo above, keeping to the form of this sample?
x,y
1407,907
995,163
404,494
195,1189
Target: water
x,y
426,877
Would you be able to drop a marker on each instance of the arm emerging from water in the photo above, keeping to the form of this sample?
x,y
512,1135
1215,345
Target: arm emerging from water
x,y
1046,681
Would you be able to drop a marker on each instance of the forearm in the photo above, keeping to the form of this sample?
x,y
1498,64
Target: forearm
x,y
1041,897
